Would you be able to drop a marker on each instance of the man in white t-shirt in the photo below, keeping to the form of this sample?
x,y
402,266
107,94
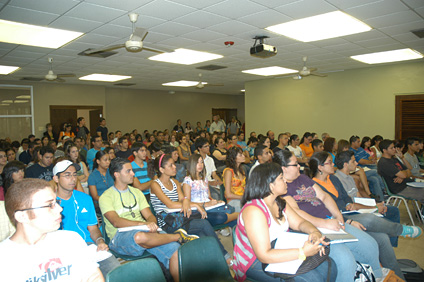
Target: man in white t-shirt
x,y
37,251
202,146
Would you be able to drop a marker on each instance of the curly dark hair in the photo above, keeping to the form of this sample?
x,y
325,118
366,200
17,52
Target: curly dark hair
x,y
231,159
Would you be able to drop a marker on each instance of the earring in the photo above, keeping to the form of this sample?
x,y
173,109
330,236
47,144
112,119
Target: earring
x,y
320,172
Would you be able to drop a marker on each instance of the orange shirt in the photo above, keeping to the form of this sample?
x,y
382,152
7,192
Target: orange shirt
x,y
309,151
327,185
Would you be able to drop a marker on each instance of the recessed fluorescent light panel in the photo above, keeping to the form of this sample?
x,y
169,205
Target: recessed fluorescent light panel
x,y
388,56
20,101
7,69
33,35
270,71
104,77
182,83
185,57
23,97
329,25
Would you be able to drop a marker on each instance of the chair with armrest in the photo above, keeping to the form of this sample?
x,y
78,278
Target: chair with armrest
x,y
147,269
202,260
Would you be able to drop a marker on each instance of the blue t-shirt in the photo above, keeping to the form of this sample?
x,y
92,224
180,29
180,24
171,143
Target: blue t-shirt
x,y
78,213
141,174
101,182
360,154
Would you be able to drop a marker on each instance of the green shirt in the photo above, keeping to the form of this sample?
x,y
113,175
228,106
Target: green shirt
x,y
110,200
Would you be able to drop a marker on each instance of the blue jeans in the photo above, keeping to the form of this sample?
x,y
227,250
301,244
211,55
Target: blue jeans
x,y
107,265
393,215
376,184
316,275
124,243
219,216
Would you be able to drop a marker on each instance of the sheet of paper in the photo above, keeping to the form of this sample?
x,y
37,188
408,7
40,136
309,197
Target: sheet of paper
x,y
98,255
365,201
143,228
288,240
326,231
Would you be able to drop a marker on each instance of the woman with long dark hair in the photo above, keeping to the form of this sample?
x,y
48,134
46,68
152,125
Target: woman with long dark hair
x,y
305,144
234,177
266,216
100,179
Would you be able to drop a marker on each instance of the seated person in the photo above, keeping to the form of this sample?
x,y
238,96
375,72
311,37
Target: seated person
x,y
283,142
219,154
41,250
44,168
196,189
78,211
413,146
262,155
124,206
100,178
141,180
234,178
318,207
396,174
264,217
166,193
363,159
317,145
72,154
293,146
305,144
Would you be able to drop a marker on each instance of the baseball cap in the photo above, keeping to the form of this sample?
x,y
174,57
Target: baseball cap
x,y
63,165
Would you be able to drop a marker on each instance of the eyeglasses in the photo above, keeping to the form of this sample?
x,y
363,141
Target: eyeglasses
x,y
296,164
69,175
51,206
128,207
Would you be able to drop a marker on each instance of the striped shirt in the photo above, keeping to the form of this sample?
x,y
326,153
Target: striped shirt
x,y
244,255
158,205
141,174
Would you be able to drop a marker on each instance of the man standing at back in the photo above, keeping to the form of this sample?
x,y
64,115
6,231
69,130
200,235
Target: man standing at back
x,y
81,130
217,125
102,129
96,142
37,251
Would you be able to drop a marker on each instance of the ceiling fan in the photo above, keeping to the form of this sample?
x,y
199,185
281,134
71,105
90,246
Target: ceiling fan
x,y
202,84
50,76
305,71
133,44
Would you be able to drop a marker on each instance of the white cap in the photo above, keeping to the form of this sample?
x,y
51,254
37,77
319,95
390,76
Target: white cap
x,y
63,165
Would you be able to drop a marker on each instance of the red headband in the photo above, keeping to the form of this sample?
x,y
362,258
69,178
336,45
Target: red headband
x,y
160,160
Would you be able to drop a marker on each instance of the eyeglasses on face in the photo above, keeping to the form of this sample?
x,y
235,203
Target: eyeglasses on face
x,y
68,175
51,206
295,164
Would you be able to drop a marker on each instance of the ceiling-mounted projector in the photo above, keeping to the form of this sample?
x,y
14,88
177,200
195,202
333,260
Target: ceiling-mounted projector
x,y
262,50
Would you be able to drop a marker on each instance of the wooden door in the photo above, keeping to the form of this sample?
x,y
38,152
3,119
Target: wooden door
x,y
409,116
58,117
95,116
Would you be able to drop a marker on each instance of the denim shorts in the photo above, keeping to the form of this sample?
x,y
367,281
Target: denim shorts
x,y
124,243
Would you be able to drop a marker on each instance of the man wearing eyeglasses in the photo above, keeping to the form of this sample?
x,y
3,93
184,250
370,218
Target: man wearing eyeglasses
x,y
37,251
78,211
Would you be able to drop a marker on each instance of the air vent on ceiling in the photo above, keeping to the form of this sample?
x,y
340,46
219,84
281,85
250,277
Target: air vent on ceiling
x,y
211,67
418,32
104,54
124,84
32,78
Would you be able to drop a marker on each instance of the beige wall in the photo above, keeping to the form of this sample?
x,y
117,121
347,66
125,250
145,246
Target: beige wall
x,y
359,101
126,109
149,109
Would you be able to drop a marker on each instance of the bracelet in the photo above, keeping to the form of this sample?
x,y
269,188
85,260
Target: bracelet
x,y
99,239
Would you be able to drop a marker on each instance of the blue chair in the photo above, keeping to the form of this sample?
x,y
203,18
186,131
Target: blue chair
x,y
147,269
396,200
202,260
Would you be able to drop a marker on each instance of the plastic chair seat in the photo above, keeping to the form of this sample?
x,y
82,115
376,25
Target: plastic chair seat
x,y
147,269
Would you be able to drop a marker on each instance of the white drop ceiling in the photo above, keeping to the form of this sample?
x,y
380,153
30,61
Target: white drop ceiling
x,y
202,25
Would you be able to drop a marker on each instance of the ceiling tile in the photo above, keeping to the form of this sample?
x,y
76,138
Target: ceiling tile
x,y
179,42
199,4
116,31
47,6
402,28
376,42
420,11
298,10
345,4
98,39
75,24
236,28
201,19
21,15
234,9
265,18
165,10
376,9
173,29
272,3
372,34
393,19
94,12
28,55
414,3
128,5
203,35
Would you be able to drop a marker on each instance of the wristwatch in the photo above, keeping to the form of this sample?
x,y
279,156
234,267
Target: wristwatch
x,y
301,254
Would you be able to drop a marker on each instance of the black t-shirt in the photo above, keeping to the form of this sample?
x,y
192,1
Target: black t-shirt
x,y
38,171
103,130
388,168
123,154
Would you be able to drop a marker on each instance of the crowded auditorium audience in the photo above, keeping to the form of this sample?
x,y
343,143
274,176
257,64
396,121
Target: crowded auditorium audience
x,y
183,183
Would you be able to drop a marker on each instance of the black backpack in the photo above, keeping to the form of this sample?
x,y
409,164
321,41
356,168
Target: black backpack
x,y
412,271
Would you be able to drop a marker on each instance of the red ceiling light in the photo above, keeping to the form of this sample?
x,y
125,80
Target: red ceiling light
x,y
229,43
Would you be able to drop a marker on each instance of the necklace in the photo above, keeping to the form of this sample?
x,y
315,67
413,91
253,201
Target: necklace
x,y
103,177
124,206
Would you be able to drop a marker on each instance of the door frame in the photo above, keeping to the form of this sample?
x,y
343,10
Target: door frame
x,y
398,111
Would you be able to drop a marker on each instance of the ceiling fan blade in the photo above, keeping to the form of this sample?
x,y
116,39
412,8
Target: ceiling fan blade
x,y
66,75
59,80
160,51
139,34
313,69
218,84
318,74
104,49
